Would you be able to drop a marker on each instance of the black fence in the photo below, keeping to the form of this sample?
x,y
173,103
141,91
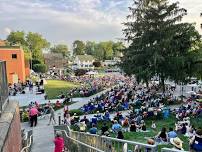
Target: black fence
x,y
3,85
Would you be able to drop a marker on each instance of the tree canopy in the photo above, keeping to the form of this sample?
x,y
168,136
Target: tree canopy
x,y
60,48
78,47
160,45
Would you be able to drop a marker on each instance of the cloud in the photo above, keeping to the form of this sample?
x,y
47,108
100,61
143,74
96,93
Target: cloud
x,y
7,30
68,20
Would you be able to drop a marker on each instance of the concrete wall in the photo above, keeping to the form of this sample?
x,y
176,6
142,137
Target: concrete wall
x,y
10,129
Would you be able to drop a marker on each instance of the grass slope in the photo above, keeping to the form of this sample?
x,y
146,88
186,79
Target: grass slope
x,y
54,88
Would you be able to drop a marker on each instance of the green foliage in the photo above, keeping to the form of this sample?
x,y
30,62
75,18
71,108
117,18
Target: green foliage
x,y
78,47
60,48
159,43
80,72
36,43
41,68
77,111
25,116
97,64
16,38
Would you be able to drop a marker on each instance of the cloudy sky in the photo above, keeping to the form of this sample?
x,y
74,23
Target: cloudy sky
x,y
63,21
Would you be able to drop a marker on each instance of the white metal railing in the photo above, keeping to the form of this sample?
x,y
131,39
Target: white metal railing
x,y
79,144
111,144
171,150
29,139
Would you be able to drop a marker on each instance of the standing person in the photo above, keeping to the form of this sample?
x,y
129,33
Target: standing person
x,y
52,115
59,142
33,116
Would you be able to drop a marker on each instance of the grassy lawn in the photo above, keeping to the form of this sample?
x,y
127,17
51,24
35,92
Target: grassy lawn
x,y
54,88
142,136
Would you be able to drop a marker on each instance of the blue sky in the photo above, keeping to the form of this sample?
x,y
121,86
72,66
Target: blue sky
x,y
63,21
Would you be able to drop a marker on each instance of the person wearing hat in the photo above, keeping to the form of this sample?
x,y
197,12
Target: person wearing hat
x,y
196,141
177,143
59,142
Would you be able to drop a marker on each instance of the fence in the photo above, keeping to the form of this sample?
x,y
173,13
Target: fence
x,y
74,145
171,150
27,141
102,143
3,86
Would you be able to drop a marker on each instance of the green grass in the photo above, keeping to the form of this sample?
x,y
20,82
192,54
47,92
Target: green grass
x,y
54,88
142,136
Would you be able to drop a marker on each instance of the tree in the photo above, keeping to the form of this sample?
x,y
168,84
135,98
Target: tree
x,y
60,48
118,48
107,49
159,43
78,47
90,48
36,43
16,38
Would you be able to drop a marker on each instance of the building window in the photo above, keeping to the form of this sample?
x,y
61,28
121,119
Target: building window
x,y
14,56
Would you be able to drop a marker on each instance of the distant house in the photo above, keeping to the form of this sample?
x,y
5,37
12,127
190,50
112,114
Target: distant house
x,y
83,62
55,60
2,42
17,68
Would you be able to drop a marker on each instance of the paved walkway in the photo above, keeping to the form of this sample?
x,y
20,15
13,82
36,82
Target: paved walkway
x,y
43,133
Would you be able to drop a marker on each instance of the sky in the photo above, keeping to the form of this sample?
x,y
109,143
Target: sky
x,y
63,21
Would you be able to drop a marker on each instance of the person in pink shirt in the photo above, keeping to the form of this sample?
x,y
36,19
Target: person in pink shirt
x,y
59,142
33,116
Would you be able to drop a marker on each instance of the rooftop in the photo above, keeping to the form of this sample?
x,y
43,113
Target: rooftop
x,y
85,57
10,47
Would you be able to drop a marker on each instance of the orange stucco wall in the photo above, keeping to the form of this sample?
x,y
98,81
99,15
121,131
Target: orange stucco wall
x,y
14,66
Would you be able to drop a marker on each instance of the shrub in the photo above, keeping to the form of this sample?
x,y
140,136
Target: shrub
x,y
97,64
80,72
41,68
25,116
78,112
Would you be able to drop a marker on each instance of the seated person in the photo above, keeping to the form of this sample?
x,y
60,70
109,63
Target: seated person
x,y
116,127
143,126
98,115
133,126
82,126
196,141
85,119
106,115
177,143
104,129
126,124
172,133
162,135
120,135
93,130
153,126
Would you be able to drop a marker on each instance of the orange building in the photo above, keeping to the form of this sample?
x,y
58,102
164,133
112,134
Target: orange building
x,y
16,66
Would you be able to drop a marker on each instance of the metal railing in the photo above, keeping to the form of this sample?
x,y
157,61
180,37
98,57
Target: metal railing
x,y
171,150
112,144
104,143
27,141
75,145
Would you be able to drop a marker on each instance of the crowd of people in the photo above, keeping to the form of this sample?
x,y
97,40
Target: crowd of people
x,y
92,85
141,104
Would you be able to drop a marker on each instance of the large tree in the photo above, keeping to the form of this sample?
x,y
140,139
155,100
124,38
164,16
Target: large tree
x,y
159,43
36,43
90,47
17,38
78,47
61,49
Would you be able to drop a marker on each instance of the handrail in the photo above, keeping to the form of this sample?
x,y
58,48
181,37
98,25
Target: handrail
x,y
171,150
28,146
119,140
98,150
